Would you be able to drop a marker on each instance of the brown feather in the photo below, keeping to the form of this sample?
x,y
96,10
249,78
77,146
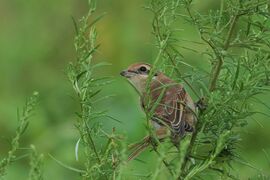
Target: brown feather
x,y
175,106
174,112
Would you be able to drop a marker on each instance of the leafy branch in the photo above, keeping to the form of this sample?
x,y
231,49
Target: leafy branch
x,y
238,73
101,157
36,164
23,120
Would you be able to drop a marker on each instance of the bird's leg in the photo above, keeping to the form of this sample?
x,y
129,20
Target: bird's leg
x,y
201,104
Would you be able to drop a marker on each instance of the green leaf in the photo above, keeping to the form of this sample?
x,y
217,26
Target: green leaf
x,y
75,25
67,166
96,20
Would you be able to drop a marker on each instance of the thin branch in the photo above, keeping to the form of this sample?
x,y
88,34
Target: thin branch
x,y
180,74
166,164
218,65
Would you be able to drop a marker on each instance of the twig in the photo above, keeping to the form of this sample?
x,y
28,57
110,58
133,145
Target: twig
x,y
180,74
218,65
163,160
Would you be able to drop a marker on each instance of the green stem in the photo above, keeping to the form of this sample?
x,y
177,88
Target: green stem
x,y
180,74
166,164
218,65
189,150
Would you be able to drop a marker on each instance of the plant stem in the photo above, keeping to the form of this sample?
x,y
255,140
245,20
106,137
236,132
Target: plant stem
x,y
163,160
217,67
180,74
189,150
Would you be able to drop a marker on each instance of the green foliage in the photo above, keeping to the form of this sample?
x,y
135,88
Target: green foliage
x,y
100,160
36,164
236,40
23,120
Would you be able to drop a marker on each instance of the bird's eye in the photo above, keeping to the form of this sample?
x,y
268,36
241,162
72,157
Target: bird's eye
x,y
143,69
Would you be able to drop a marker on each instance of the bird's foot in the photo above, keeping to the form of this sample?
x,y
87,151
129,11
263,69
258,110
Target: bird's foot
x,y
201,104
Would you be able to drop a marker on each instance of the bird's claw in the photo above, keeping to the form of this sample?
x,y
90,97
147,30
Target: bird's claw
x,y
201,104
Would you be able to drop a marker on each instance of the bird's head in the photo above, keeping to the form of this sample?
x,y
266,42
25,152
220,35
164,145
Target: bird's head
x,y
137,74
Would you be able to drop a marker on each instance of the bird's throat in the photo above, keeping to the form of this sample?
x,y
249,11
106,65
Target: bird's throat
x,y
138,84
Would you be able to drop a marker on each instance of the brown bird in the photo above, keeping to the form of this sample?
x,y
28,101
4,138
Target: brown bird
x,y
172,107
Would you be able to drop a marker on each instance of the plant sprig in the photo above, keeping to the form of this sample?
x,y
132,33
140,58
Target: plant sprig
x,y
100,158
237,46
23,120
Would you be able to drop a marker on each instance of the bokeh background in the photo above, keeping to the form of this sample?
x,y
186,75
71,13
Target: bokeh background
x,y
36,44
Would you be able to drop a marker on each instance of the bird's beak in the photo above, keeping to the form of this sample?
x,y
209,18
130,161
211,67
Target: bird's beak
x,y
127,74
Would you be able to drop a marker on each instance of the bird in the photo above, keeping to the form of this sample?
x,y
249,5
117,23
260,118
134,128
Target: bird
x,y
174,112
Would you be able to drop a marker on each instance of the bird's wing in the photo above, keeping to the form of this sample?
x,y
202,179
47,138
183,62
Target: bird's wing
x,y
174,111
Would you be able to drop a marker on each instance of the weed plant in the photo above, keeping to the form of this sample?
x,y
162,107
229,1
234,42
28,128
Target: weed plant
x,y
36,160
235,39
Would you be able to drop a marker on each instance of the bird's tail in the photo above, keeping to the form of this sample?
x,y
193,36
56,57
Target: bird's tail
x,y
138,148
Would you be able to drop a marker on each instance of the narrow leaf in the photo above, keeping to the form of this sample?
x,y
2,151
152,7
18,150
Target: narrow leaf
x,y
77,149
67,166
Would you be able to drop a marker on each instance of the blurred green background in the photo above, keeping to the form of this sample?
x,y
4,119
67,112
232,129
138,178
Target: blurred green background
x,y
36,44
